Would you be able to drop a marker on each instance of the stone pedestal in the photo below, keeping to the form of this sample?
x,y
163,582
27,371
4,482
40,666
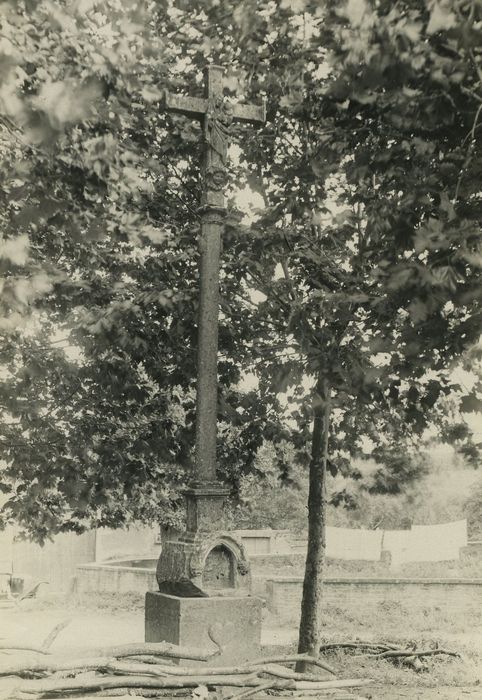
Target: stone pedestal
x,y
214,561
234,620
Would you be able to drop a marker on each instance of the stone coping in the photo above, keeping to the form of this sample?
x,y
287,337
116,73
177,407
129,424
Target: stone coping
x,y
393,580
113,565
261,532
273,555
205,600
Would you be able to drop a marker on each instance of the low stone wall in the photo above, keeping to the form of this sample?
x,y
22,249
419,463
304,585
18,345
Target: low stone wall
x,y
351,594
266,541
266,566
473,550
115,579
271,564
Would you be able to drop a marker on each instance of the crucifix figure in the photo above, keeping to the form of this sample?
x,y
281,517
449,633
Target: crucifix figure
x,y
205,498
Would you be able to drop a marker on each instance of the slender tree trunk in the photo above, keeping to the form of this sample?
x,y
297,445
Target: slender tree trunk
x,y
309,634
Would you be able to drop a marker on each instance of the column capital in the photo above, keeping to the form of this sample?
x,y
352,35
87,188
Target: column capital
x,y
211,213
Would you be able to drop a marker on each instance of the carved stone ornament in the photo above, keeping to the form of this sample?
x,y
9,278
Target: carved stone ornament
x,y
243,567
215,178
196,566
211,215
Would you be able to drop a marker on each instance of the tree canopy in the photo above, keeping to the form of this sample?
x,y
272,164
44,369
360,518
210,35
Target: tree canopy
x,y
360,272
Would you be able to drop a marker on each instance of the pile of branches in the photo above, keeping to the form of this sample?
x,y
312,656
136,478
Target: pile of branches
x,y
150,669
410,655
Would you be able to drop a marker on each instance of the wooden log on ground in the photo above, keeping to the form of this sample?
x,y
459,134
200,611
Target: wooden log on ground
x,y
357,645
393,653
325,685
171,651
55,665
249,692
46,686
62,664
54,634
281,672
42,687
293,658
151,649
23,647
147,659
159,670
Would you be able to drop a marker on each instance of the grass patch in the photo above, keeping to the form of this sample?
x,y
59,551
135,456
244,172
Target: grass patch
x,y
393,618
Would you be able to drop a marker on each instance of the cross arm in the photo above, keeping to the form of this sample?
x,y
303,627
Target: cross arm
x,y
250,113
192,106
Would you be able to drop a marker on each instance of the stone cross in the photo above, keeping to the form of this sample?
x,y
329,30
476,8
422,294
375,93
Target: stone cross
x,y
216,115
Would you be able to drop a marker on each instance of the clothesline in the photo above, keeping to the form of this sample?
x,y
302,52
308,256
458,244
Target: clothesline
x,y
420,543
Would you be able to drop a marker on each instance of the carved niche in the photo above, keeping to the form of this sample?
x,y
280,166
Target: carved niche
x,y
218,569
220,564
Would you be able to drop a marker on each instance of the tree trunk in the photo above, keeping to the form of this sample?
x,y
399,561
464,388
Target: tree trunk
x,y
309,634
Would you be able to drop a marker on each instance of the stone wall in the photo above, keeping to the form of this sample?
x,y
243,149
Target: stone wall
x,y
56,562
266,566
115,579
127,543
463,596
266,541
472,551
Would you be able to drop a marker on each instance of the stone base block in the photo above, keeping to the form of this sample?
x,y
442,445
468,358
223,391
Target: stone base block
x,y
235,620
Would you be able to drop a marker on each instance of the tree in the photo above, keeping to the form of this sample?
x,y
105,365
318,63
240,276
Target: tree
x,y
100,259
381,293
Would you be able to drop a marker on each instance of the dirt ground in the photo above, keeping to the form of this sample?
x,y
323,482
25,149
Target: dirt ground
x,y
414,693
31,624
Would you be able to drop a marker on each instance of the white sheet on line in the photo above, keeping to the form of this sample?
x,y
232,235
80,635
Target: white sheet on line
x,y
346,543
426,542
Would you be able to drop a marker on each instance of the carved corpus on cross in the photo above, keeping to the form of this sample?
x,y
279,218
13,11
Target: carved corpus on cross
x,y
206,496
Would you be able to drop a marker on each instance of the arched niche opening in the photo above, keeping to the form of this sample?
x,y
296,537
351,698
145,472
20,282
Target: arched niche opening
x,y
219,568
